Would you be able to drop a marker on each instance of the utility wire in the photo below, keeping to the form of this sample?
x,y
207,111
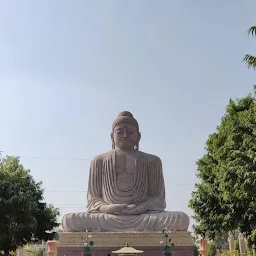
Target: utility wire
x,y
72,158
68,158
82,186
56,158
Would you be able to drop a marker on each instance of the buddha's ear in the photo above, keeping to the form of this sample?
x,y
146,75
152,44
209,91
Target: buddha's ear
x,y
139,136
112,139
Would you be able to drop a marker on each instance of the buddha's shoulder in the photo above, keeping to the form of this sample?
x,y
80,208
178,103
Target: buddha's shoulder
x,y
149,157
107,155
103,156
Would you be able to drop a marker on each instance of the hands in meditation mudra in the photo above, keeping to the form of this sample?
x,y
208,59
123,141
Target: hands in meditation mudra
x,y
126,189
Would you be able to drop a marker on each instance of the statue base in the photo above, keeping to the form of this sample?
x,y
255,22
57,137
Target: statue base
x,y
72,243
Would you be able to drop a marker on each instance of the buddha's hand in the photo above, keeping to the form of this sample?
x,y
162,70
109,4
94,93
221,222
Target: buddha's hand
x,y
140,209
113,208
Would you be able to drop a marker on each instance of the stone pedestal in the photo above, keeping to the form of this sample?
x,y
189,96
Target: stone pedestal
x,y
71,244
52,248
203,247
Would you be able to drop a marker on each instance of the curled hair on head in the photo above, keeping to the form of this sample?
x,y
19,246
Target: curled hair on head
x,y
125,117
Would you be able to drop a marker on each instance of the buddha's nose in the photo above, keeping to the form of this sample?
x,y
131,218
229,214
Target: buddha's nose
x,y
125,134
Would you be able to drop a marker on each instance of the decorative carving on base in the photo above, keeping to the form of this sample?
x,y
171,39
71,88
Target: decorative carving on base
x,y
119,239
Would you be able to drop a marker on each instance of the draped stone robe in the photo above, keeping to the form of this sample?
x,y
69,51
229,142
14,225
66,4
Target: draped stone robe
x,y
142,184
147,189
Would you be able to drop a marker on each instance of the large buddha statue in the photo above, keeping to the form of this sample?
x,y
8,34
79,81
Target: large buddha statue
x,y
126,189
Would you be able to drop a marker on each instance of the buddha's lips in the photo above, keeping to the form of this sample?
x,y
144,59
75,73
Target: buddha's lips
x,y
125,140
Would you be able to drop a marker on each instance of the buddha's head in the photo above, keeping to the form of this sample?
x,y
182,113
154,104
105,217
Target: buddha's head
x,y
125,132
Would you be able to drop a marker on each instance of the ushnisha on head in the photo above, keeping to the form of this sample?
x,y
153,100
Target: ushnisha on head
x,y
125,132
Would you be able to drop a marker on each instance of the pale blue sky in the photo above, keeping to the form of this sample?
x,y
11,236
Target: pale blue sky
x,y
67,68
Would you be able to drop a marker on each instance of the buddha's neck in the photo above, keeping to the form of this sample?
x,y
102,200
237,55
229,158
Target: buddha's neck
x,y
131,152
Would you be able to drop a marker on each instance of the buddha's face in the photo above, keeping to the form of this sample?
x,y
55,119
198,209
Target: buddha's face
x,y
126,136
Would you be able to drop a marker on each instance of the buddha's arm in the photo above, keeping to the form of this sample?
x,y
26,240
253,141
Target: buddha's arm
x,y
156,200
94,194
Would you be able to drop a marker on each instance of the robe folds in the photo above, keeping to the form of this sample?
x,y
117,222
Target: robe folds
x,y
147,189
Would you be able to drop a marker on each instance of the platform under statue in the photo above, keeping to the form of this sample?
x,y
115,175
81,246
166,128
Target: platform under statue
x,y
126,190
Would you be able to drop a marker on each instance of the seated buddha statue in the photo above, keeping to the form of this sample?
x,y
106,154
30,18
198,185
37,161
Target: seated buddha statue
x,y
126,189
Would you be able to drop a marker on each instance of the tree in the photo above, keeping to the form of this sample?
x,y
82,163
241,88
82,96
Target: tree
x,y
34,252
221,241
236,245
196,251
249,59
225,197
212,250
57,234
24,216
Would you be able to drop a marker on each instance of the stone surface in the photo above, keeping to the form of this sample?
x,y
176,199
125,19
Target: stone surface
x,y
203,247
105,242
231,242
242,244
52,248
126,190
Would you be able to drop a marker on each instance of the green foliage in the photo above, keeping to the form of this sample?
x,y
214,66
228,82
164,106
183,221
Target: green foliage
x,y
236,245
224,199
249,251
249,59
32,252
233,253
252,31
40,252
221,241
196,251
212,249
57,234
251,239
24,216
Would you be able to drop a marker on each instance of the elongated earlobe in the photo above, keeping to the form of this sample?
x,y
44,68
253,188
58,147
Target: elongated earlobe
x,y
137,145
112,139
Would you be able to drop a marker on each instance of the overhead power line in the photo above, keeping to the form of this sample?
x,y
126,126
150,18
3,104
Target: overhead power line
x,y
67,185
56,158
67,158
73,158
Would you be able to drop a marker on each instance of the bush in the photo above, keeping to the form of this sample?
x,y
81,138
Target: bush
x,y
236,243
212,249
233,253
